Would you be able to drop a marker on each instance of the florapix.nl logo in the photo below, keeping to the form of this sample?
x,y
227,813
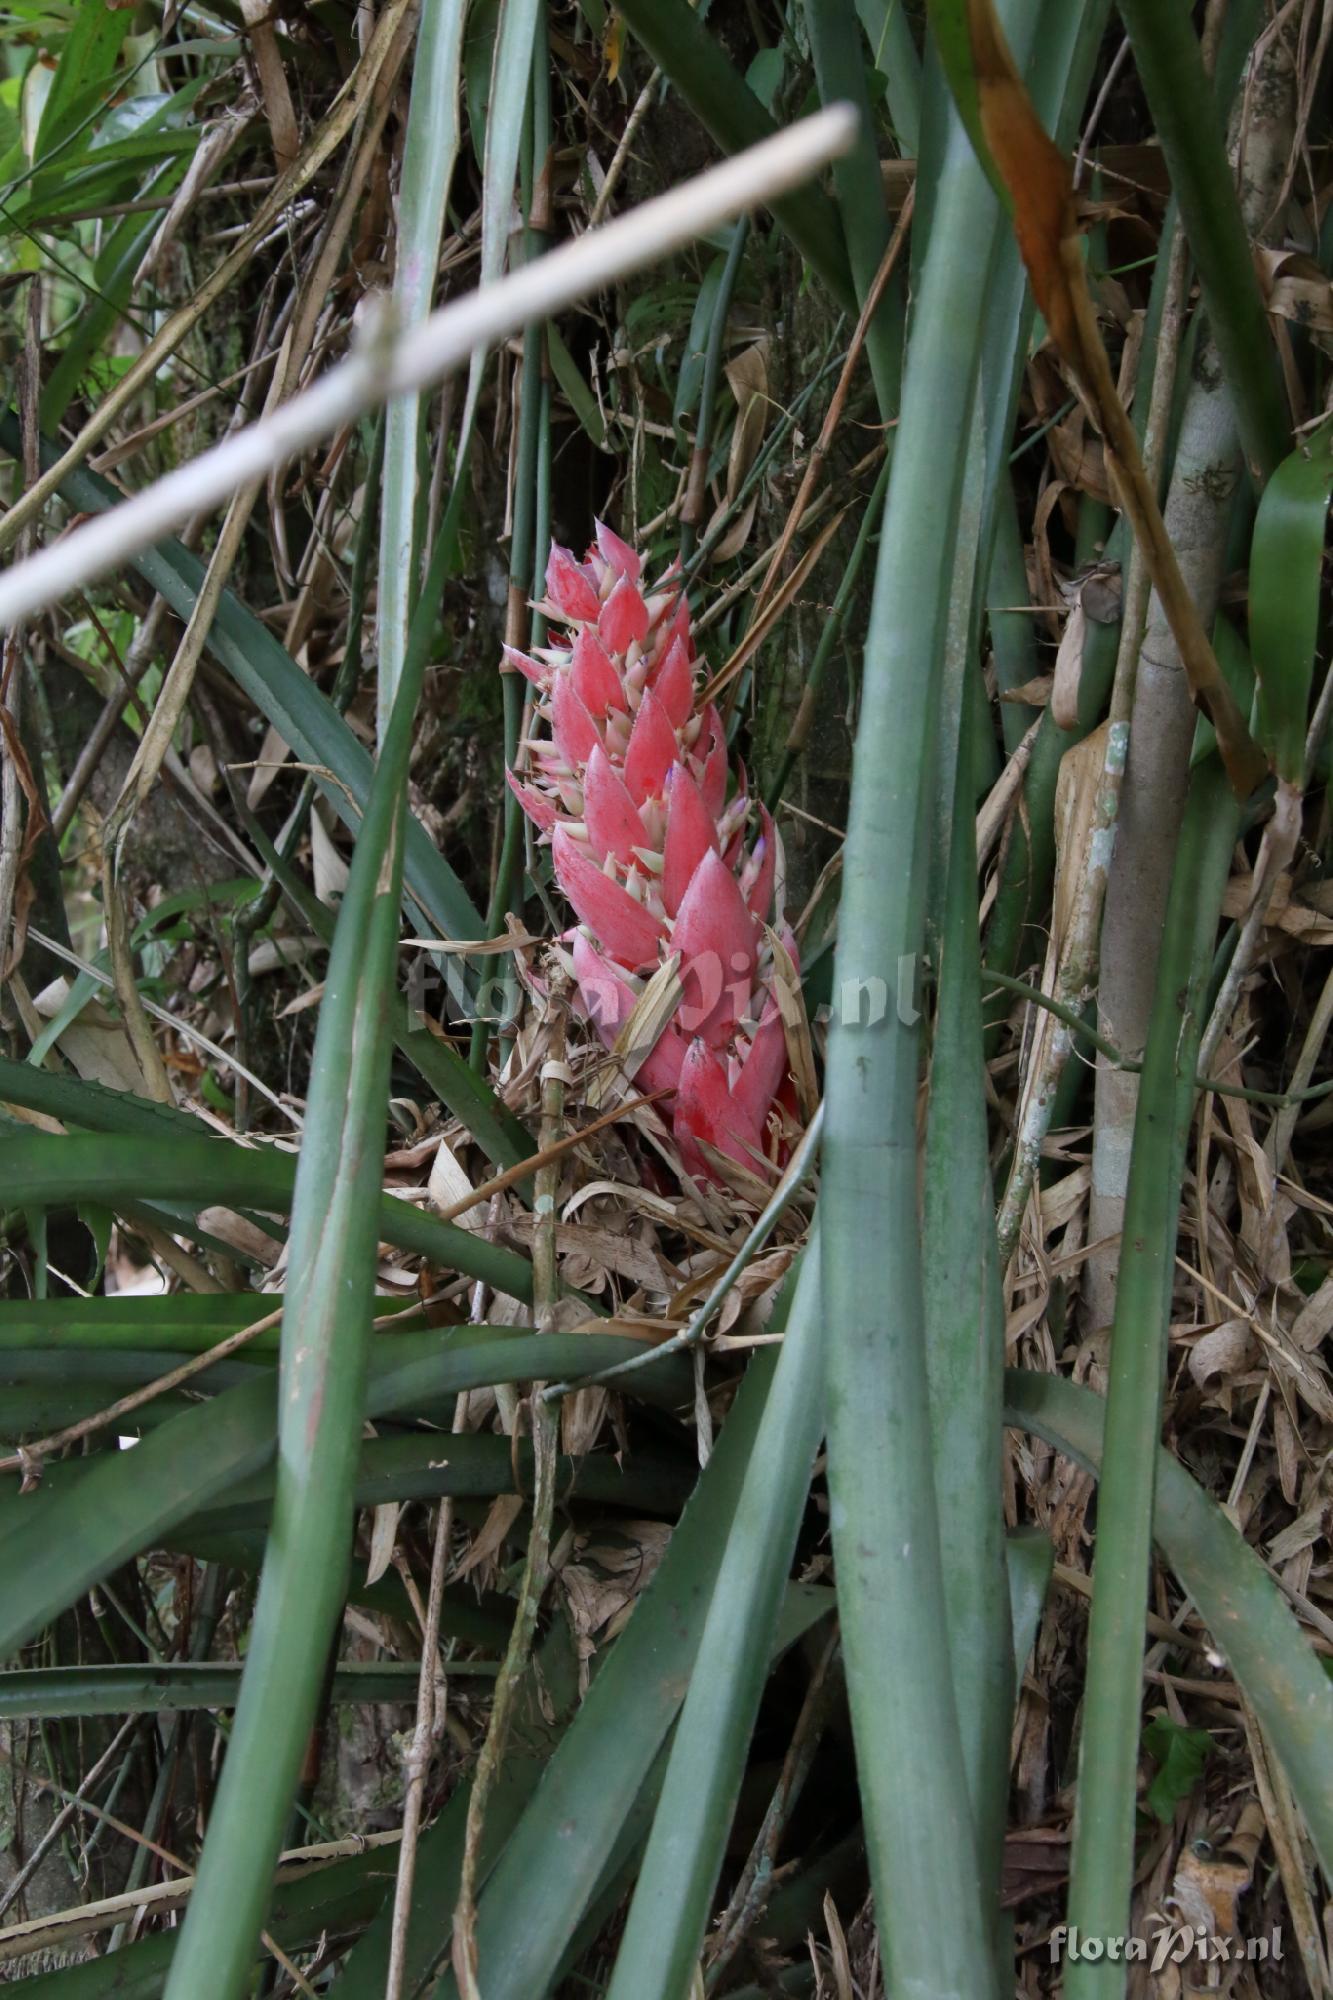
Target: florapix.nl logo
x,y
1168,1944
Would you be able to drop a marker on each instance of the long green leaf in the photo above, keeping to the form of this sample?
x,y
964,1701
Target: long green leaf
x,y
34,1693
429,152
965,1330
1102,1862
1170,66
835,41
885,1523
316,1903
547,1699
101,1511
322,1378
47,1170
1286,571
558,1853
413,1467
83,73
687,1845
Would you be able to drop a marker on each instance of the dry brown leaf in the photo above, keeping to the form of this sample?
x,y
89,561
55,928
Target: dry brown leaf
x,y
1222,1352
448,1185
790,997
383,1535
489,1540
639,1033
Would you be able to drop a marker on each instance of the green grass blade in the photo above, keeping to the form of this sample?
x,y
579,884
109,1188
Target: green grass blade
x,y
1183,106
1030,1559
965,1330
1286,571
687,1845
82,82
315,1903
51,1693
429,152
548,1699
561,1847
893,53
1283,1677
838,49
322,1380
101,1511
47,1171
180,1323
410,1467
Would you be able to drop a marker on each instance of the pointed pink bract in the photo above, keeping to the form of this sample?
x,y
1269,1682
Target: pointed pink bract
x,y
706,1110
715,935
535,804
613,824
572,727
629,932
594,678
618,555
569,588
691,833
673,684
652,750
624,618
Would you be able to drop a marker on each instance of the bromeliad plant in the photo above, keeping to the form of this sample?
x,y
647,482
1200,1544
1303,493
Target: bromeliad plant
x,y
632,787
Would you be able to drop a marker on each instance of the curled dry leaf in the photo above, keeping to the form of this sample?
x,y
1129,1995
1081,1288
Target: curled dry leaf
x,y
490,1537
448,1185
383,1535
1222,1353
754,1292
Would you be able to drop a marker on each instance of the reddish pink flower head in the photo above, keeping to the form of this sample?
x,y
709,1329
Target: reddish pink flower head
x,y
654,847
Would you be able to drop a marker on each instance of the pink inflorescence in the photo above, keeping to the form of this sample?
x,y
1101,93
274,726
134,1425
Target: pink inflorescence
x,y
631,785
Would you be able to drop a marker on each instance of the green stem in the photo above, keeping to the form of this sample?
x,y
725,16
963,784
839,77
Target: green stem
x,y
1103,1850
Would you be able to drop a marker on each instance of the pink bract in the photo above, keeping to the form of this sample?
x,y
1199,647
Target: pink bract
x,y
656,849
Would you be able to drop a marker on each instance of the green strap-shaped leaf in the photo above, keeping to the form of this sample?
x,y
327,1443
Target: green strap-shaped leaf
x,y
690,1829
101,1511
46,1170
313,1904
429,152
81,84
953,39
1286,565
557,1857
51,1693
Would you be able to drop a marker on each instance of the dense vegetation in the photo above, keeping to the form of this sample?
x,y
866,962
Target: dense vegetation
x,y
667,1236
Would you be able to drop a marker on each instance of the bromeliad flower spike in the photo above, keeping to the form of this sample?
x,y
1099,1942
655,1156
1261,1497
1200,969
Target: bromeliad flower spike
x,y
632,787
